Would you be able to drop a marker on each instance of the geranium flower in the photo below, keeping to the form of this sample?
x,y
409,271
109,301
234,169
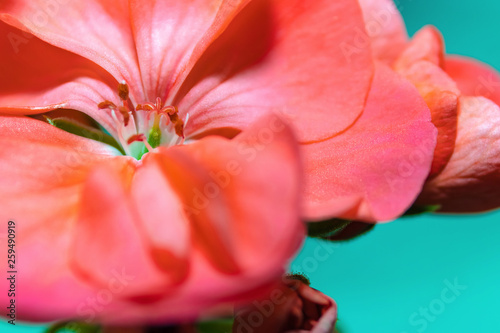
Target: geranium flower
x,y
186,222
391,156
374,169
463,95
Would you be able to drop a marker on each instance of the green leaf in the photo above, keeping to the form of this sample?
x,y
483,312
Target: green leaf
x,y
338,230
417,210
74,127
326,229
352,231
224,325
73,327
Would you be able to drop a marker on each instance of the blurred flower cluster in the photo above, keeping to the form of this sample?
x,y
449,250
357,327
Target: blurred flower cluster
x,y
164,160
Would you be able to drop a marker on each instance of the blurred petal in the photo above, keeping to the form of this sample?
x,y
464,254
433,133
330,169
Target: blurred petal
x,y
235,213
108,239
471,181
283,64
375,170
386,29
474,78
236,220
42,170
162,219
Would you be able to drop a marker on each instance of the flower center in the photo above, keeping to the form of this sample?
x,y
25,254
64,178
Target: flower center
x,y
143,127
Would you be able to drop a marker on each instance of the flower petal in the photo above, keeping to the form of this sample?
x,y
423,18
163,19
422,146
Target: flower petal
x,y
42,170
162,219
98,30
471,181
386,29
375,170
37,77
243,228
427,44
474,78
441,95
232,206
108,238
170,34
283,64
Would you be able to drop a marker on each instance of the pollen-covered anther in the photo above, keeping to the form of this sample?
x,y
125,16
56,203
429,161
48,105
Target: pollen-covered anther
x,y
106,105
123,91
173,115
179,128
144,107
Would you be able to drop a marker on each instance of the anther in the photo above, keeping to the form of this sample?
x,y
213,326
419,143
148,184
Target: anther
x,y
123,91
179,128
106,105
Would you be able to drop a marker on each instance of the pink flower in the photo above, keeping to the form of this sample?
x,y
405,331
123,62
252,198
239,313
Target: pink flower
x,y
373,169
188,222
392,155
463,95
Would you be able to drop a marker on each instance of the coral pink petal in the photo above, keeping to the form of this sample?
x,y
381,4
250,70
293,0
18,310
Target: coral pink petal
x,y
427,44
386,29
283,64
380,164
474,78
98,30
170,35
231,209
42,170
109,240
37,77
162,218
471,181
441,94
237,219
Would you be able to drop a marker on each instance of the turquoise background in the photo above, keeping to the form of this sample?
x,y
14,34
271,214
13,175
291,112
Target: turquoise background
x,y
380,280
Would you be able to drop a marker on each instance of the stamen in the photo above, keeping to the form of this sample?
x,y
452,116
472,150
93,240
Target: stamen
x,y
151,136
136,137
140,137
106,105
123,91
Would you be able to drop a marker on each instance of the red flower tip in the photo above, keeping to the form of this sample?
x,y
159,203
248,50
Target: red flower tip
x,y
136,137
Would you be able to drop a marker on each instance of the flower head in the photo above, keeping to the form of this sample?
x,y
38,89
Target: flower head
x,y
197,205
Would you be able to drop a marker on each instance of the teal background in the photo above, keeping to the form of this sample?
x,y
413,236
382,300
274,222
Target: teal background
x,y
381,279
